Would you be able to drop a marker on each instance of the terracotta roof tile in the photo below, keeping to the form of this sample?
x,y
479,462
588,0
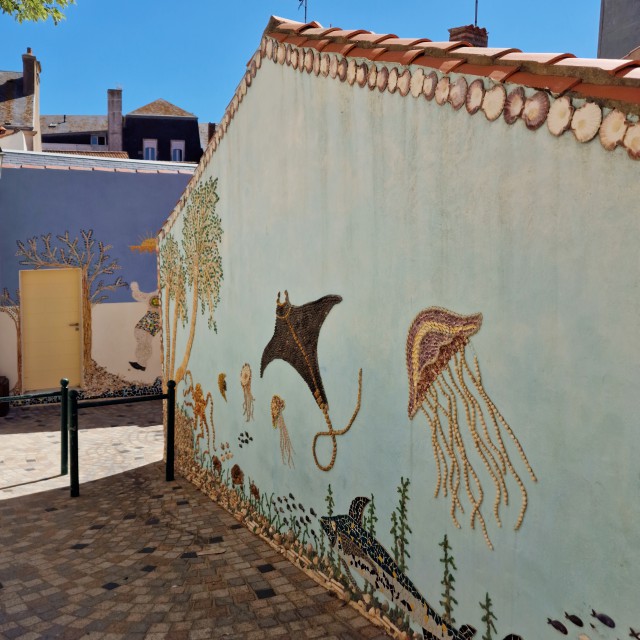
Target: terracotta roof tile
x,y
320,31
297,40
369,53
497,73
442,64
630,74
347,34
555,84
609,92
540,58
339,47
317,44
405,42
400,57
373,38
611,66
485,52
448,45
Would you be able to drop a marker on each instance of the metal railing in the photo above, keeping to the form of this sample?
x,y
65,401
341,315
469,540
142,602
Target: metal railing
x,y
69,406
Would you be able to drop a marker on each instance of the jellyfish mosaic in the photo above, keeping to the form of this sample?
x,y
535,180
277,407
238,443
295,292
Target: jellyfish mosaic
x,y
245,383
277,419
448,391
295,340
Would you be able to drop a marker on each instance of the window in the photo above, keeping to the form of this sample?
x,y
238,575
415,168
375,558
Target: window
x,y
96,139
177,150
149,149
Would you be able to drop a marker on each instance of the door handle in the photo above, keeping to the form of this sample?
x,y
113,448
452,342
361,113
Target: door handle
x,y
74,324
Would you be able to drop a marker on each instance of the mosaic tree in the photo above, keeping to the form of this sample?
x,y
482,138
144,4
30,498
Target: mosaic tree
x,y
196,270
85,253
488,618
448,579
11,306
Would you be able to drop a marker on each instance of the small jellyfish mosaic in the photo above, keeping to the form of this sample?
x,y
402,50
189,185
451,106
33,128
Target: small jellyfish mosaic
x,y
245,383
449,392
277,420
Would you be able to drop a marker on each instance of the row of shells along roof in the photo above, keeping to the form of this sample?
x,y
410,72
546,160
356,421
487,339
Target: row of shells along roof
x,y
614,128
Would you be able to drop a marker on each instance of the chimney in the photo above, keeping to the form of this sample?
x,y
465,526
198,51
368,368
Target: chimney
x,y
114,119
30,71
476,36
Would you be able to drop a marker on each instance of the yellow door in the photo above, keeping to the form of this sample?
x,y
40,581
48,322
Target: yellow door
x,y
50,317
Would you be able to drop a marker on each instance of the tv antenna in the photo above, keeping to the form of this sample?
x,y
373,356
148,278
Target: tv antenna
x,y
302,3
475,23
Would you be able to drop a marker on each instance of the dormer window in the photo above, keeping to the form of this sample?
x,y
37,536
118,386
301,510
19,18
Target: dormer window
x,y
149,149
97,140
177,150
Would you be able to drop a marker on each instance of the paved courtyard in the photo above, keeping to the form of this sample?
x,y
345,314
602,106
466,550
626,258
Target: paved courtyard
x,y
135,556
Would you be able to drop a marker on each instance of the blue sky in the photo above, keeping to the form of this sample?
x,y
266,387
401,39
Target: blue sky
x,y
193,53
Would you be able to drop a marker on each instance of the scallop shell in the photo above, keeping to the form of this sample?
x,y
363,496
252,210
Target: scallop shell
x,y
243,85
264,43
475,95
258,60
612,130
632,141
383,78
536,109
392,85
404,82
417,83
268,48
442,90
493,102
253,70
287,54
513,106
430,84
458,93
586,121
560,114
352,69
342,69
316,63
333,66
372,80
308,61
362,72
325,63
294,55
281,54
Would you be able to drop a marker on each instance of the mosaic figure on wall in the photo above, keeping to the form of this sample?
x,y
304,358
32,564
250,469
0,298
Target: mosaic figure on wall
x,y
203,428
147,327
277,419
295,340
360,551
440,381
245,383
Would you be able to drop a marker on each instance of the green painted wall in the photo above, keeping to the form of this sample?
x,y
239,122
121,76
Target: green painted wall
x,y
398,204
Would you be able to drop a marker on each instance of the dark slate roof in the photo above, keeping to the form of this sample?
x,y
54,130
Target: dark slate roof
x,y
161,108
16,109
48,160
73,124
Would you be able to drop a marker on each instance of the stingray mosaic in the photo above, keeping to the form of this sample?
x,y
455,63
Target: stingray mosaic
x,y
295,340
440,381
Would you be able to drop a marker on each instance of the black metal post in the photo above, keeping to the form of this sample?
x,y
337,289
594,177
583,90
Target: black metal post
x,y
64,427
171,428
73,438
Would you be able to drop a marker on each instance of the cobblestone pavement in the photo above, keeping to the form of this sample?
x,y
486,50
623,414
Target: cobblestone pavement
x,y
137,557
111,440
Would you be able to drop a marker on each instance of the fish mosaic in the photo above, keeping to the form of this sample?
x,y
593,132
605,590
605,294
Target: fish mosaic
x,y
360,551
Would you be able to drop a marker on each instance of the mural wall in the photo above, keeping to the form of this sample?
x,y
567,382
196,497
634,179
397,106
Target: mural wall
x,y
103,222
440,422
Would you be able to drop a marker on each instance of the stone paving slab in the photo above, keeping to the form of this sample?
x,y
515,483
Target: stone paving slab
x,y
137,557
110,440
